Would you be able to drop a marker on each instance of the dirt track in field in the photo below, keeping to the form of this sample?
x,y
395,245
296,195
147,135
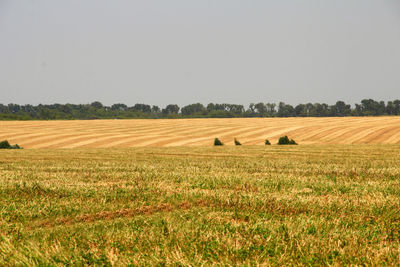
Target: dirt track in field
x,y
199,132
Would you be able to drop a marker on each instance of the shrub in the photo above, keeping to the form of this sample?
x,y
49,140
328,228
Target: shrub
x,y
217,142
6,145
237,143
267,142
284,140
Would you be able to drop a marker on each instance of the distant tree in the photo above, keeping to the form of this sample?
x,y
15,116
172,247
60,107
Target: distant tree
x,y
141,108
370,107
221,107
171,109
390,108
271,109
210,107
286,110
310,109
261,109
155,109
357,111
301,110
252,108
193,109
267,142
381,108
341,109
14,108
67,109
224,110
396,107
96,110
97,105
119,107
393,107
238,110
305,110
321,110
46,114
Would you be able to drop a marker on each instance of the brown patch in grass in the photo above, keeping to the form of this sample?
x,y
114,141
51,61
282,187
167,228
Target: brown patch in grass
x,y
123,213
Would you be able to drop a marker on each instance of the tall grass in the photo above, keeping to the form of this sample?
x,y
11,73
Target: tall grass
x,y
300,205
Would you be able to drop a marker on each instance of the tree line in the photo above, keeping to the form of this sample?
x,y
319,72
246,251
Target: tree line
x,y
96,110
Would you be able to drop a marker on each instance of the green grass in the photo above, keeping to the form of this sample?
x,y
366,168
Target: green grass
x,y
302,205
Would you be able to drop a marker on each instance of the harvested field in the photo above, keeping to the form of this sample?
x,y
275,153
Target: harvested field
x,y
295,205
199,132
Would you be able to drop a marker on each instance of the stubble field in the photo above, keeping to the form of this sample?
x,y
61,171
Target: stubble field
x,y
291,205
199,132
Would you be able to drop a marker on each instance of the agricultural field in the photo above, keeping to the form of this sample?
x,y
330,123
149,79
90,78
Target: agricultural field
x,y
199,132
272,205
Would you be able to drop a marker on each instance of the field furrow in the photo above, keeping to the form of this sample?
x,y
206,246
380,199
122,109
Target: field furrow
x,y
200,132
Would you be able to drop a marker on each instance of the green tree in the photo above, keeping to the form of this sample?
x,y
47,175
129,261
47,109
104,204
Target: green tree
x,y
171,109
193,109
286,110
97,105
341,109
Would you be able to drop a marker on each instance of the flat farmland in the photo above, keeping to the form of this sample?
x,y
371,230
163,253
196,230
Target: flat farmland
x,y
277,205
199,132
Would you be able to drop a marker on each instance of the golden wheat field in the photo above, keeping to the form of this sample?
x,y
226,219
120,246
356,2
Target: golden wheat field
x,y
332,201
199,132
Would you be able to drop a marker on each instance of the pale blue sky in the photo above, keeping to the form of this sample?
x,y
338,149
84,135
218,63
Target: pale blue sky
x,y
187,51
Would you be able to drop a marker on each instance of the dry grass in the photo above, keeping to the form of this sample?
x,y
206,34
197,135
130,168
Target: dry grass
x,y
302,205
200,132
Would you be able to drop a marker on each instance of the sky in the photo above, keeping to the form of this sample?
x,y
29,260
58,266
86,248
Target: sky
x,y
187,51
